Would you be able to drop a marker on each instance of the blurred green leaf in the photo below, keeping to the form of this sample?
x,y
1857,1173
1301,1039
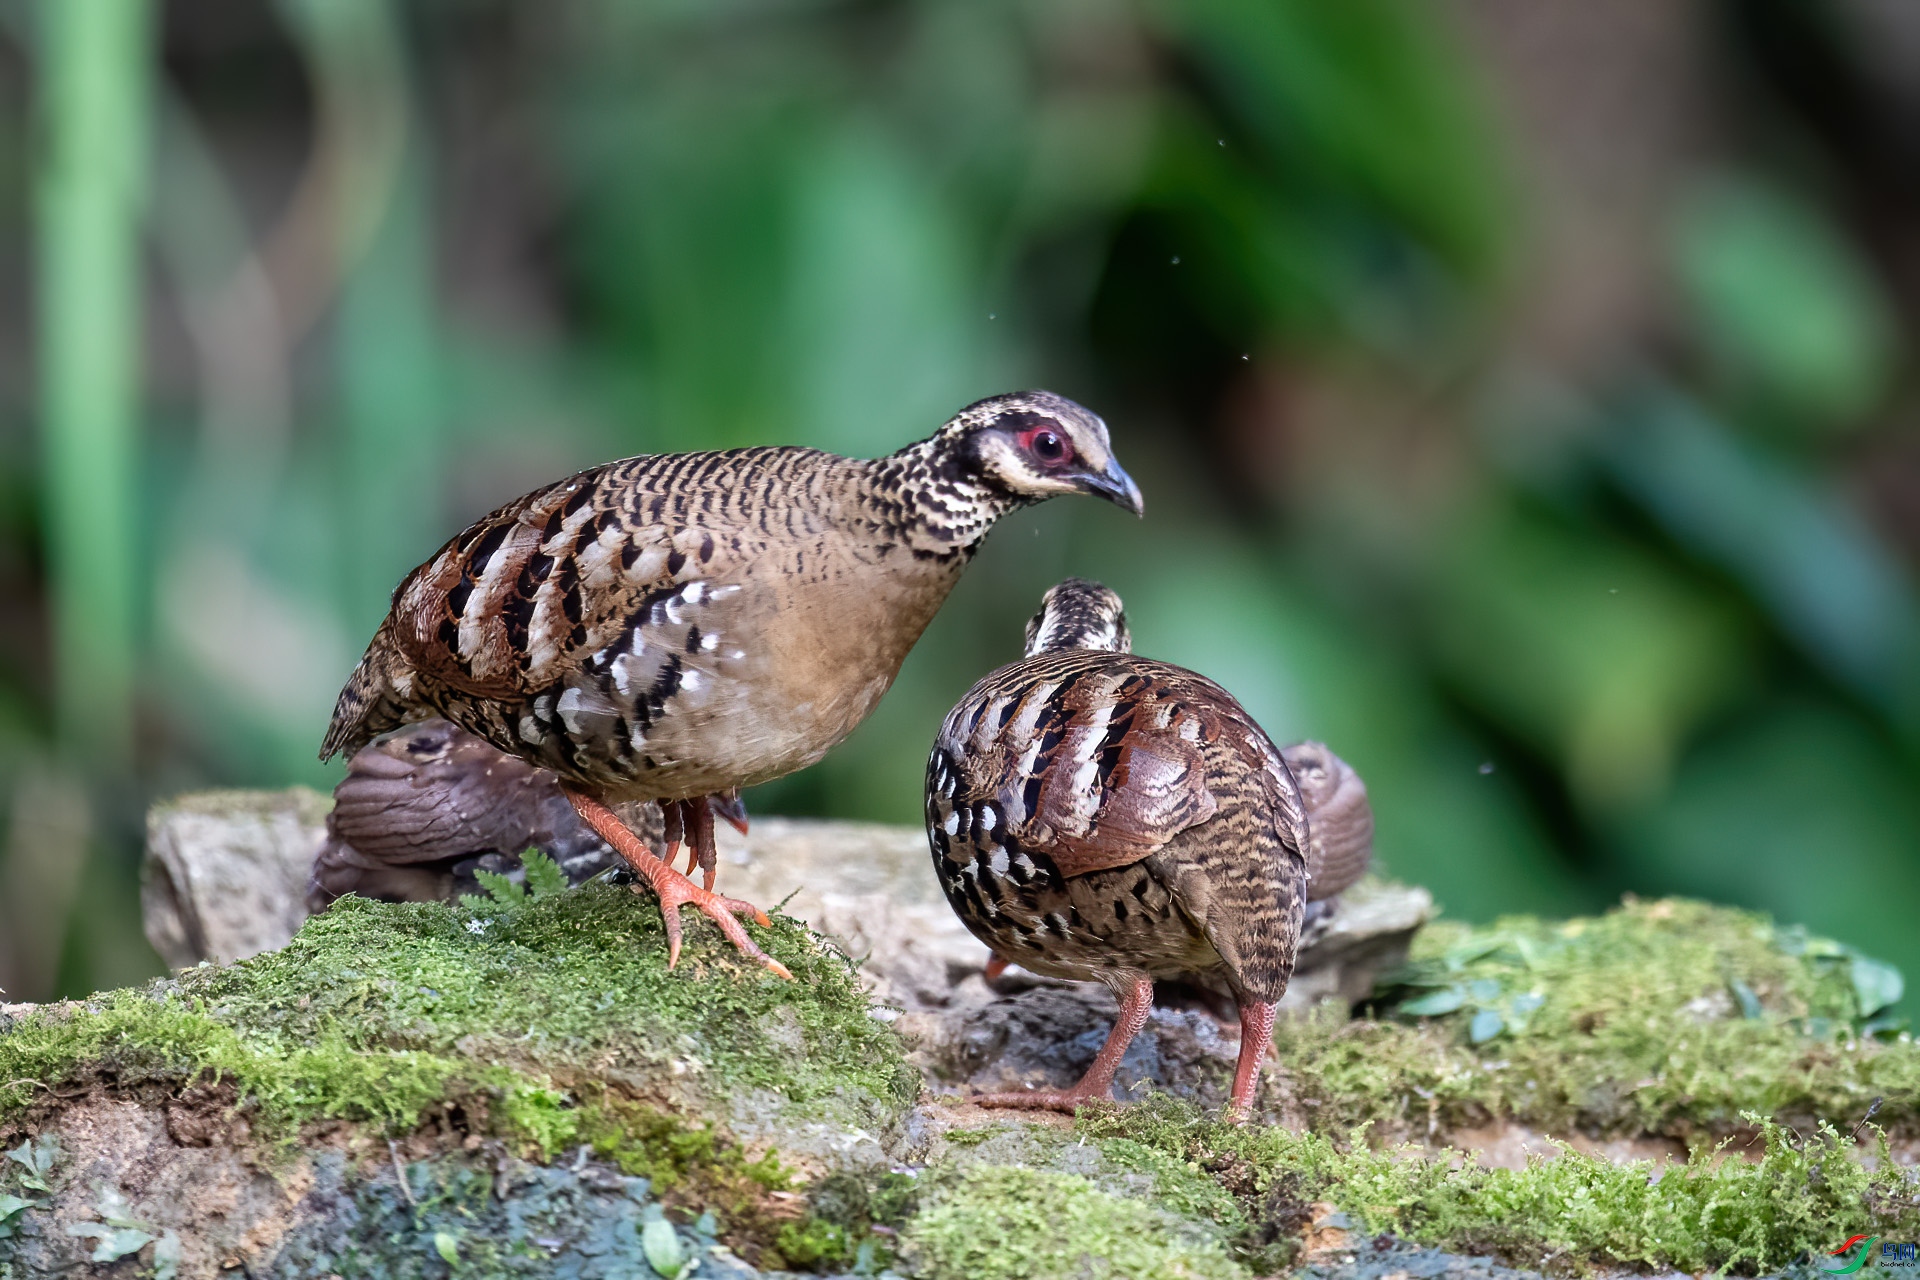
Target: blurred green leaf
x,y
1877,984
1585,646
1485,1026
1785,304
166,1256
1824,578
1435,1003
661,1243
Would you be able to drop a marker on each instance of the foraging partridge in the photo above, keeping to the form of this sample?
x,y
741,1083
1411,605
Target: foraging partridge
x,y
674,627
425,807
1098,816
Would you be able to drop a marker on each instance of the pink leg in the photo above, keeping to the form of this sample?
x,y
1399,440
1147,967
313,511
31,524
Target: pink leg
x,y
1097,1084
701,835
673,888
996,965
1256,1033
673,826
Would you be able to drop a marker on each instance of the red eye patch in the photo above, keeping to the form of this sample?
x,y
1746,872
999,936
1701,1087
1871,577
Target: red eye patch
x,y
1046,446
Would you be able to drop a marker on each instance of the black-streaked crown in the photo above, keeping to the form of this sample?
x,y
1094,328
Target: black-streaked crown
x,y
1079,614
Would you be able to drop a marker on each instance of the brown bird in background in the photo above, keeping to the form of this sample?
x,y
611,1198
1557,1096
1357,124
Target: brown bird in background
x,y
1339,826
423,808
1098,816
676,627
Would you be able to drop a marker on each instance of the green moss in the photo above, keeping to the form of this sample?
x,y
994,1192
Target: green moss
x,y
1713,1213
995,1223
647,1142
1177,1184
545,1118
378,1012
1669,1017
815,1243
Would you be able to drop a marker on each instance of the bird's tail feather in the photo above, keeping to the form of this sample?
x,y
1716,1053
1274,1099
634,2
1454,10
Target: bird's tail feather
x,y
367,706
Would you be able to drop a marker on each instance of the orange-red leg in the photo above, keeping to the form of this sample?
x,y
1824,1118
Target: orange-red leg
x,y
673,832
996,965
704,854
689,825
1256,1033
1097,1084
673,888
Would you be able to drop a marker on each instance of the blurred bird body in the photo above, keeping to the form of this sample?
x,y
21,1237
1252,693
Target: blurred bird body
x,y
673,627
1099,816
422,809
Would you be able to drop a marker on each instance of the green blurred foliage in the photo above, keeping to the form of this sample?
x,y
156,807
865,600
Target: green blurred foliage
x,y
1585,627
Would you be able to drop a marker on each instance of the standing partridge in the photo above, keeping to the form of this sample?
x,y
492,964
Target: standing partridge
x,y
674,627
1099,816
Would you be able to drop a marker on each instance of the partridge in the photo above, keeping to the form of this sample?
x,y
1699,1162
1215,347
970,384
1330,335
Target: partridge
x,y
1099,816
423,808
674,627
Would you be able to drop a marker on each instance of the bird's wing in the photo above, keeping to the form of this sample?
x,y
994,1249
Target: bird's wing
x,y
1244,877
525,596
1094,759
434,791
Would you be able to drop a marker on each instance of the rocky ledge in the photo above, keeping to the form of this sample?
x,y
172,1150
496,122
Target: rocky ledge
x,y
517,1086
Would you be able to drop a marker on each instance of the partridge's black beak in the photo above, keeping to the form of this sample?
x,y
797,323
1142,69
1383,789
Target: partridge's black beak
x,y
1116,486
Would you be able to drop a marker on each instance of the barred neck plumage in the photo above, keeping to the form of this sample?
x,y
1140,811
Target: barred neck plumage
x,y
1079,614
929,497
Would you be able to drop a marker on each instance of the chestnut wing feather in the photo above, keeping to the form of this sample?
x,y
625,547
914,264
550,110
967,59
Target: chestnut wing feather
x,y
1157,789
1095,759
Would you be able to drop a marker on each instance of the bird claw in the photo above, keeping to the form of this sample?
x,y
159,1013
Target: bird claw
x,y
674,889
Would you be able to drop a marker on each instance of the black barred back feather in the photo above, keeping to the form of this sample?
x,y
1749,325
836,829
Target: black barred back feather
x,y
1097,815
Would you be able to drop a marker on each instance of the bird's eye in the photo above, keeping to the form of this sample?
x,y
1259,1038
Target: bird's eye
x,y
1047,446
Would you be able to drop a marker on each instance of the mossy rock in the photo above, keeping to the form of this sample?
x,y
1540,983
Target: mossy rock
x,y
1669,1019
551,1094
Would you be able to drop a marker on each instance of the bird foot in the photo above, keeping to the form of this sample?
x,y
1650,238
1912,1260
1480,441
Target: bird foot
x,y
675,890
691,821
1062,1100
